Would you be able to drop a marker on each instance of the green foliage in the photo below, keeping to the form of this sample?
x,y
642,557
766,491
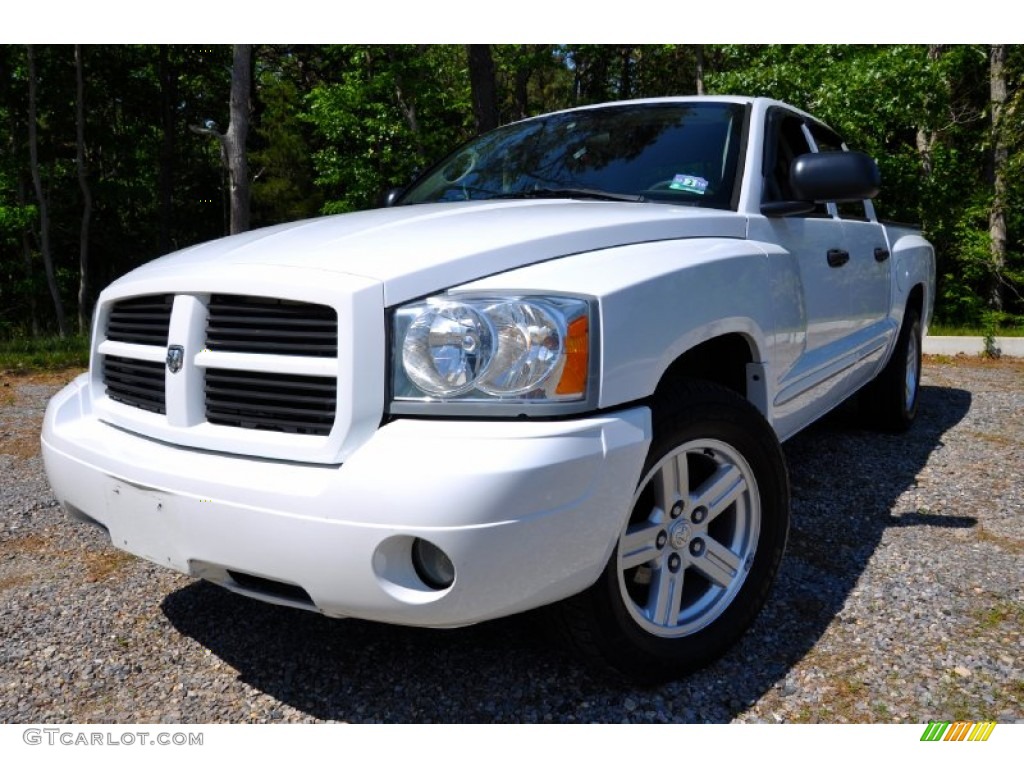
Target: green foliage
x,y
14,219
333,127
923,114
282,142
391,112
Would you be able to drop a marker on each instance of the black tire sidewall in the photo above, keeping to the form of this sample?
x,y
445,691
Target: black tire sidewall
x,y
886,402
719,415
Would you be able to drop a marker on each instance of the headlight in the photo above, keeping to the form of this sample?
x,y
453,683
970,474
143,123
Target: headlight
x,y
446,349
502,350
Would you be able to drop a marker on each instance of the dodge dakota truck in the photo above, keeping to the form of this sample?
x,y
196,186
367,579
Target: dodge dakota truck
x,y
553,371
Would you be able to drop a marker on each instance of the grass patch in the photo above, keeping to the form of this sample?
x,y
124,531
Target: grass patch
x,y
33,544
1005,543
1001,612
1001,440
9,582
50,353
939,329
20,445
101,565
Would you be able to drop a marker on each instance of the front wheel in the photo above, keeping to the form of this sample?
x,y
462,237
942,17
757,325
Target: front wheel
x,y
696,557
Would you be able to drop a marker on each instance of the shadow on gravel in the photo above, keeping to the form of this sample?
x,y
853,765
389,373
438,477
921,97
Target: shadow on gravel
x,y
845,483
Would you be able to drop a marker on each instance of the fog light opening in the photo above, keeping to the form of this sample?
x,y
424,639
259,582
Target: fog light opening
x,y
433,566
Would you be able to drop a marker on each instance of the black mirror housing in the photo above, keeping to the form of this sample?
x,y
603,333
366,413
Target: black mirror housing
x,y
834,177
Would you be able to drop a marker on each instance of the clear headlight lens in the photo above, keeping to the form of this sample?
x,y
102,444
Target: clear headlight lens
x,y
530,344
507,348
447,348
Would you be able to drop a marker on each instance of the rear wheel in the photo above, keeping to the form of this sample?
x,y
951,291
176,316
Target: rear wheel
x,y
891,399
697,555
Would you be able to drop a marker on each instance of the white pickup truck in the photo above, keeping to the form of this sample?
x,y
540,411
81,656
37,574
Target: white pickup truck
x,y
555,369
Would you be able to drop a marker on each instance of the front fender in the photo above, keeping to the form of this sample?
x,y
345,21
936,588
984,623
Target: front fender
x,y
658,300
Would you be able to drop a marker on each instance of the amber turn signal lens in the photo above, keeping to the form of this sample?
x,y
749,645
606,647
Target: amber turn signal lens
x,y
577,358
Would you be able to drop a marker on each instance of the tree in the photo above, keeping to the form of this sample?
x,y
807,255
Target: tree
x,y
698,51
37,182
281,141
1000,160
99,179
386,113
234,155
18,288
83,183
483,87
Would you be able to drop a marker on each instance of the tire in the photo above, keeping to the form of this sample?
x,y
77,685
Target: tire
x,y
891,399
697,555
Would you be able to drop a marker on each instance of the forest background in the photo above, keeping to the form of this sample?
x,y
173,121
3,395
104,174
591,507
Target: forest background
x,y
111,155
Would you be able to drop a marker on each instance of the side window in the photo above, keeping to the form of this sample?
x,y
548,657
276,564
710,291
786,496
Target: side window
x,y
787,142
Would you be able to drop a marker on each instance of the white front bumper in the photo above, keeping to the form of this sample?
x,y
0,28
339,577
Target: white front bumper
x,y
527,511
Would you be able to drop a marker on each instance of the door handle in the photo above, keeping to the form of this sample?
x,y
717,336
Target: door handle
x,y
837,257
881,254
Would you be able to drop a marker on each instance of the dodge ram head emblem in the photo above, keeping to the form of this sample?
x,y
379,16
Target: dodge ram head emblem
x,y
175,357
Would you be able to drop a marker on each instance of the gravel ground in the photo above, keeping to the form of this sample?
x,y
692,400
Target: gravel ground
x,y
900,600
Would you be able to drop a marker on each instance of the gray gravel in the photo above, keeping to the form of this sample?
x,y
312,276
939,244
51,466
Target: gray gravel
x,y
900,600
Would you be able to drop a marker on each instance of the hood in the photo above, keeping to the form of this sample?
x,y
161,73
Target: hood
x,y
422,249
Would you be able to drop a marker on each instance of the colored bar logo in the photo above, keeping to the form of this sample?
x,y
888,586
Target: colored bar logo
x,y
961,730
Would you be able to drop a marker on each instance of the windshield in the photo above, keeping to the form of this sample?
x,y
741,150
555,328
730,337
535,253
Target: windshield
x,y
679,153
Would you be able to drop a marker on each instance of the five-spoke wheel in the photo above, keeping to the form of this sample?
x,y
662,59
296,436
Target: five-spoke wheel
x,y
699,550
691,538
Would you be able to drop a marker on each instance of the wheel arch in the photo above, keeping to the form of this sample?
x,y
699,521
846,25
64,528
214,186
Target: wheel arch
x,y
915,301
731,360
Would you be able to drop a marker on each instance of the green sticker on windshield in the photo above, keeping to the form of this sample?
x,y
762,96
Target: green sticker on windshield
x,y
686,183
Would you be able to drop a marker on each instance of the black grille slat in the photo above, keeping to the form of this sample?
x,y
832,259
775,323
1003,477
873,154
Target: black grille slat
x,y
236,380
271,326
138,383
271,401
213,399
143,389
277,402
142,320
263,348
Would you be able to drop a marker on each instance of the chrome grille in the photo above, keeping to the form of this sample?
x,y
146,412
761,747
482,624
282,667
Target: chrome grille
x,y
139,383
271,401
270,326
141,320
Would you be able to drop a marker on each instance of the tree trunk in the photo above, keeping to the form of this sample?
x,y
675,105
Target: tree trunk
x,y
1000,160
407,106
483,87
235,137
165,184
927,137
522,83
83,182
37,182
699,53
626,73
233,155
30,279
409,112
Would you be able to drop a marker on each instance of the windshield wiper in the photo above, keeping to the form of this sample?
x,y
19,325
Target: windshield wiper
x,y
570,193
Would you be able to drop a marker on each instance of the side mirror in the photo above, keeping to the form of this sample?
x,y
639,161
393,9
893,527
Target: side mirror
x,y
834,177
391,197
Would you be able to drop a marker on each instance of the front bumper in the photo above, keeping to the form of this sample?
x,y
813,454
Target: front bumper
x,y
527,511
